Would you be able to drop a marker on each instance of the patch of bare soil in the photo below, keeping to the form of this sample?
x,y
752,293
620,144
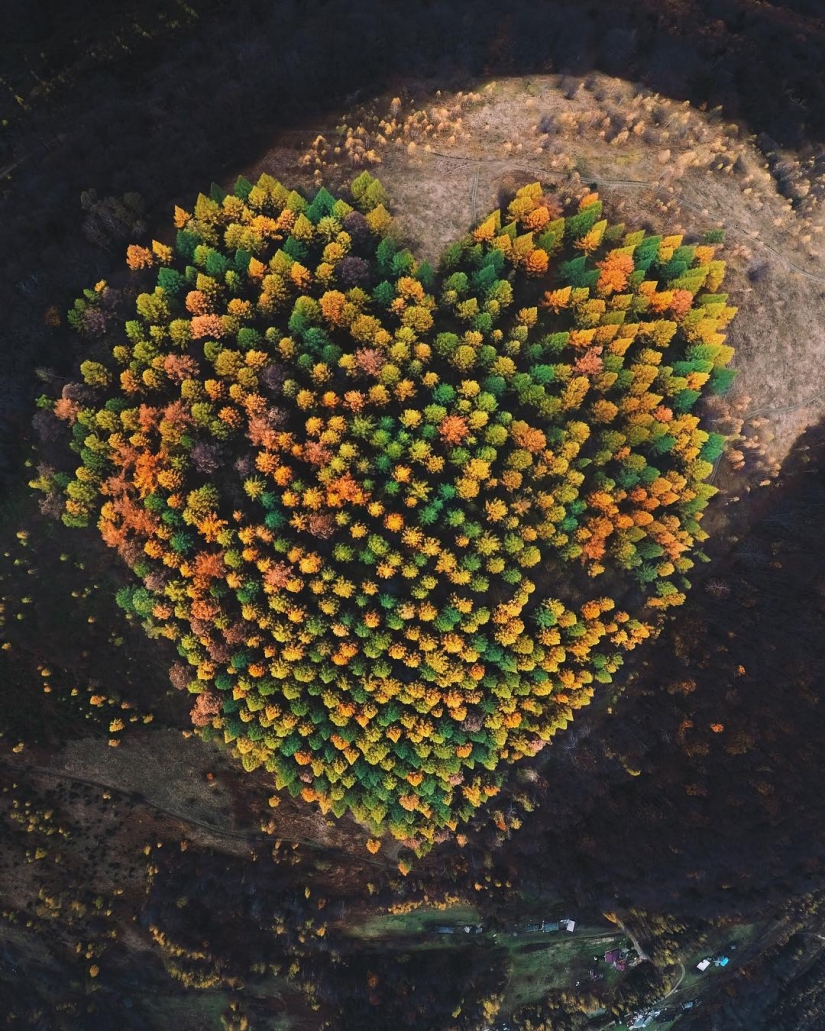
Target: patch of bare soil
x,y
158,765
658,164
204,795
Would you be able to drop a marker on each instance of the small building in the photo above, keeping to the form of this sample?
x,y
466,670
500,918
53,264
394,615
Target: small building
x,y
703,965
721,961
549,925
532,928
445,930
616,958
688,1005
643,1019
567,925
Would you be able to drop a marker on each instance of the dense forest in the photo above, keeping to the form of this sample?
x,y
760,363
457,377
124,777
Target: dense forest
x,y
677,815
420,454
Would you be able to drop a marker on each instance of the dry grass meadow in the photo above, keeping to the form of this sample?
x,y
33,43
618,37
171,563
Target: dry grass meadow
x,y
446,159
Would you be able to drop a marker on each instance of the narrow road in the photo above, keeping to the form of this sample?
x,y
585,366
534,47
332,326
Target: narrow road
x,y
640,952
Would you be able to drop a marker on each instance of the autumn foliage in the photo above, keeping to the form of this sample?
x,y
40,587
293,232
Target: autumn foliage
x,y
360,496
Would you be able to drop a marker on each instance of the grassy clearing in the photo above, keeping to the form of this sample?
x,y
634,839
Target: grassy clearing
x,y
195,1011
741,936
543,963
539,962
500,142
387,925
201,1011
695,983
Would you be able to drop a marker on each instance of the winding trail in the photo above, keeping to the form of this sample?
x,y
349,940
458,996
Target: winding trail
x,y
784,410
640,952
787,408
675,988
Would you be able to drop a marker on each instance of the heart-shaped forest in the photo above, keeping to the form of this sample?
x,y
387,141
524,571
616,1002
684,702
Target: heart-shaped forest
x,y
400,523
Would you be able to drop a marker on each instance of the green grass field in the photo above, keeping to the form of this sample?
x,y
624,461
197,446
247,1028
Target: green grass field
x,y
538,962
419,921
546,962
741,936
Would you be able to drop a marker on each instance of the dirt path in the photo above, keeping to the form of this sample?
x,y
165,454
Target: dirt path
x,y
640,952
675,988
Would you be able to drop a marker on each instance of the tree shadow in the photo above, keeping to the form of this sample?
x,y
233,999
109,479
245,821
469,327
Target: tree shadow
x,y
702,791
